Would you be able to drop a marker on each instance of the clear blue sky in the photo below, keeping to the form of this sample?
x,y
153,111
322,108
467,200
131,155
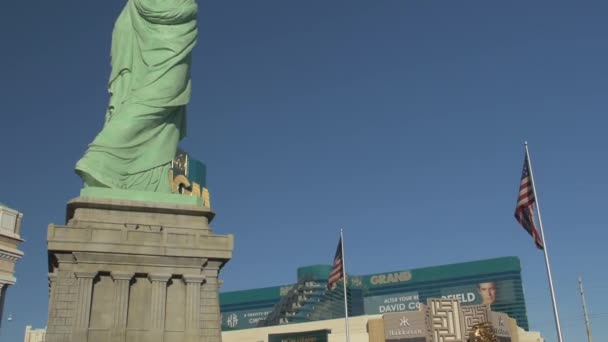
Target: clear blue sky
x,y
401,121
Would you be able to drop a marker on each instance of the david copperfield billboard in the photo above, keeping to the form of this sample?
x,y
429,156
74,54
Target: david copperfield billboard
x,y
487,292
396,302
494,282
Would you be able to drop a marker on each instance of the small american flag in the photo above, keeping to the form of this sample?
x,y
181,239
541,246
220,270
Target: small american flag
x,y
524,211
337,272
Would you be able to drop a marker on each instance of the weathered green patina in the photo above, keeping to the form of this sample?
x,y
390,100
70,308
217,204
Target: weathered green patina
x,y
144,196
149,88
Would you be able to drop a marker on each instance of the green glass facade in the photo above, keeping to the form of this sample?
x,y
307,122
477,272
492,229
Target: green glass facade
x,y
494,281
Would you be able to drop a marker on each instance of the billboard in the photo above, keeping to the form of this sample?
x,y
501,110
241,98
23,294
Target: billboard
x,y
397,302
489,293
243,319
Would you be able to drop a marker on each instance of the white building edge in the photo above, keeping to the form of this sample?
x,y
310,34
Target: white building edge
x,y
10,239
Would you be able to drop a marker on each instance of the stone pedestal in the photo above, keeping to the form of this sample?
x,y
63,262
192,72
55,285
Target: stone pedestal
x,y
127,271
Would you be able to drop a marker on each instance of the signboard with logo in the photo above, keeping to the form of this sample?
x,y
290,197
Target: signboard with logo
x,y
306,336
244,319
406,326
500,323
387,278
398,302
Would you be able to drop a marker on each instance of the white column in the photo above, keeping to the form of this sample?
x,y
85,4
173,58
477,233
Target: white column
x,y
83,305
210,306
121,305
158,301
193,302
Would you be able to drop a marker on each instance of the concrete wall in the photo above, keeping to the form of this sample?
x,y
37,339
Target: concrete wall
x,y
529,336
362,329
358,330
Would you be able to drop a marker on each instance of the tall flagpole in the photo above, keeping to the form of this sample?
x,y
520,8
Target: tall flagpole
x,y
542,235
344,282
587,324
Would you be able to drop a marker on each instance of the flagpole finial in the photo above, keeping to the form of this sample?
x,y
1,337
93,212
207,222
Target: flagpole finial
x,y
525,142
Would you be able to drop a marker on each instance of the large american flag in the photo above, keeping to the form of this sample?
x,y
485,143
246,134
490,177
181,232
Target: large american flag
x,y
337,271
524,211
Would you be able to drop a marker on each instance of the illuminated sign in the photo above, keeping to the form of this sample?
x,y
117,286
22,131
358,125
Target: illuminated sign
x,y
390,278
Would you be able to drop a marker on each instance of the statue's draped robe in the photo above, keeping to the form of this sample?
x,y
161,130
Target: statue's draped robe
x,y
149,88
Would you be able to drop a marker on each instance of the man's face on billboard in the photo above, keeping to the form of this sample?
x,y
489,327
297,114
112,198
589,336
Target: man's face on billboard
x,y
487,292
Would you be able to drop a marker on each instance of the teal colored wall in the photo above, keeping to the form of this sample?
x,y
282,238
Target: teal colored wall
x,y
394,291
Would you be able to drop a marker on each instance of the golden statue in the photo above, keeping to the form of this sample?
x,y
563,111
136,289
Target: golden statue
x,y
482,332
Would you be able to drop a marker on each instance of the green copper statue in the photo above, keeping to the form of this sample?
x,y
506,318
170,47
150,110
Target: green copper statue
x,y
149,88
